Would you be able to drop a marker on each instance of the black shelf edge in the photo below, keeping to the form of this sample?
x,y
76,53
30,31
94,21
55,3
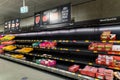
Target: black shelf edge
x,y
66,60
69,50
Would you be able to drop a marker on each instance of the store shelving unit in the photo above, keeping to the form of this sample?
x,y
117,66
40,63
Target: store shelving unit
x,y
72,48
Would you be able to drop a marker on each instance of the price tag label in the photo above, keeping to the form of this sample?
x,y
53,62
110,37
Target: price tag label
x,y
73,73
90,63
95,51
66,49
67,40
61,59
118,41
110,41
72,60
77,50
66,59
60,41
79,75
61,49
104,41
55,41
86,40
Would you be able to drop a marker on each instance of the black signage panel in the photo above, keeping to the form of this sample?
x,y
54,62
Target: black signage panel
x,y
46,17
12,25
55,16
17,24
37,20
61,14
65,13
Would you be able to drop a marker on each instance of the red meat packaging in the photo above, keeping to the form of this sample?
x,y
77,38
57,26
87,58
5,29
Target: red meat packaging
x,y
100,73
51,63
108,74
93,46
100,47
108,47
101,59
92,72
116,48
116,62
105,35
74,68
109,60
86,70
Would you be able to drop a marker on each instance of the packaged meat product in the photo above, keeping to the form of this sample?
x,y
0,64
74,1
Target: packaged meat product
x,y
74,68
109,74
109,60
105,35
116,61
108,47
116,48
86,70
93,46
92,72
51,63
100,73
100,47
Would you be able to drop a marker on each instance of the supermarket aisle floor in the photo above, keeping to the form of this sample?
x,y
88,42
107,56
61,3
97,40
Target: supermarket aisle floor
x,y
14,71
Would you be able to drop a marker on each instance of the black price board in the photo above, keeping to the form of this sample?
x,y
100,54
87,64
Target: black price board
x,y
6,26
46,17
37,20
12,25
65,13
17,24
58,15
9,25
55,16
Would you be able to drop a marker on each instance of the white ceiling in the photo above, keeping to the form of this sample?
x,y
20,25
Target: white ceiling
x,y
9,9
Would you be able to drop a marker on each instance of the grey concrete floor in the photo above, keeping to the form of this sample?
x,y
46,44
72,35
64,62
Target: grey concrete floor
x,y
13,71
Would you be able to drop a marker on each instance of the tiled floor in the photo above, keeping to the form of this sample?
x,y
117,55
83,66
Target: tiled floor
x,y
14,71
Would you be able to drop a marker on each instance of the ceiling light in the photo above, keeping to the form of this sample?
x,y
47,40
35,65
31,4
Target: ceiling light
x,y
24,9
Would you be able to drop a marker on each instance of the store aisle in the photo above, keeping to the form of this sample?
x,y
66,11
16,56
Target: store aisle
x,y
14,71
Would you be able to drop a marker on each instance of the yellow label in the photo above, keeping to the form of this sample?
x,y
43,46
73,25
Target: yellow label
x,y
86,40
110,41
118,41
30,54
72,60
55,41
96,79
73,73
61,49
61,59
95,51
67,40
77,50
66,49
103,41
60,41
117,68
79,75
66,59
90,63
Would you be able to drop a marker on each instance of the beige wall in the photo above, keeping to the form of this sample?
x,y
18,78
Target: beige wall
x,y
96,9
87,11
